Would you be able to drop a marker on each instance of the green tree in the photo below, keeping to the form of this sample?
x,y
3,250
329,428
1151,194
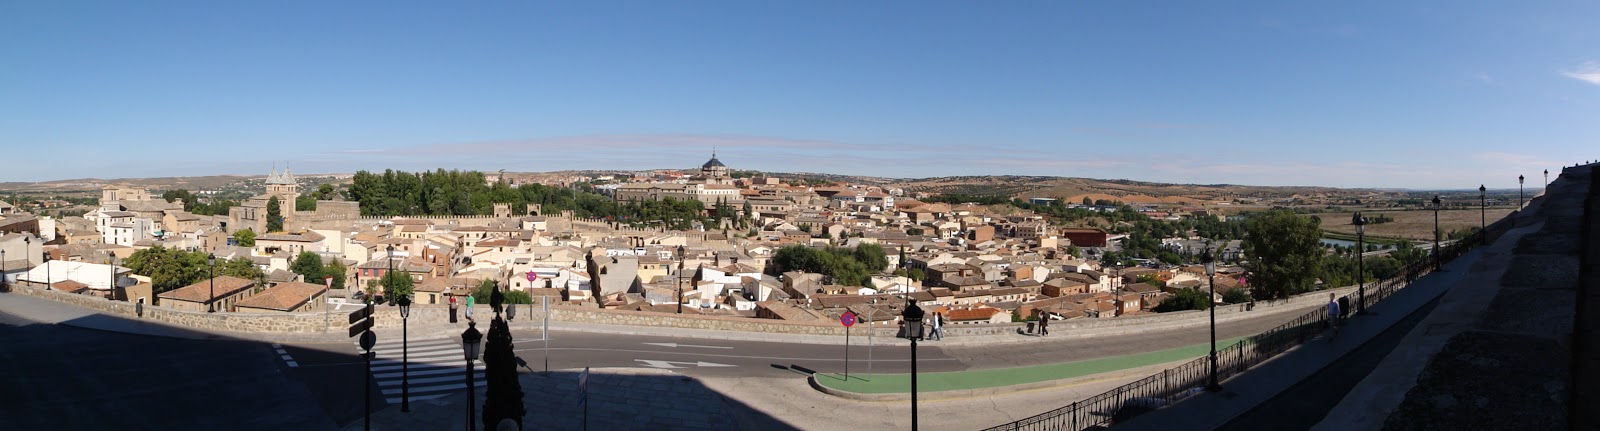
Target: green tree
x,y
1235,296
337,270
397,283
1285,254
485,289
245,237
1150,279
274,215
240,267
1087,201
1184,299
168,268
309,266
305,203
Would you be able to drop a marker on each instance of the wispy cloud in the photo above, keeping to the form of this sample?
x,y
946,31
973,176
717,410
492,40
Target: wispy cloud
x,y
1588,72
1485,78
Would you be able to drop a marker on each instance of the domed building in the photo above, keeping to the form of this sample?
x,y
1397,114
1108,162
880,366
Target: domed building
x,y
714,172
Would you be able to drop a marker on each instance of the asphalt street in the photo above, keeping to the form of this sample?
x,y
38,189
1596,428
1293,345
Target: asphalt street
x,y
63,377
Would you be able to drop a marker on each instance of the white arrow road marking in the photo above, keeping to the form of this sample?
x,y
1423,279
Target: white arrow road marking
x,y
675,364
676,345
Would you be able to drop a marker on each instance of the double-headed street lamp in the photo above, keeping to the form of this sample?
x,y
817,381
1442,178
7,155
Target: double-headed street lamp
x,y
1361,271
471,341
1483,214
1437,265
913,319
405,354
1211,272
211,260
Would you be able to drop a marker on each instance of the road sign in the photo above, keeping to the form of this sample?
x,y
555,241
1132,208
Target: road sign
x,y
848,319
532,276
359,328
368,339
328,280
361,313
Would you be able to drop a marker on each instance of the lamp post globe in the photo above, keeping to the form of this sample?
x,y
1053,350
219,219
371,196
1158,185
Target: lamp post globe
x,y
471,341
405,353
1483,214
1361,271
1211,273
211,260
1519,192
913,320
680,279
1437,265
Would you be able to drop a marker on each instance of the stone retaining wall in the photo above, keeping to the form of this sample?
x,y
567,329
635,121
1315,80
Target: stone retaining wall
x,y
387,316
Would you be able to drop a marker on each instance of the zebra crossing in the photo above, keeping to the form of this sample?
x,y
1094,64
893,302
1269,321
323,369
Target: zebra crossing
x,y
437,368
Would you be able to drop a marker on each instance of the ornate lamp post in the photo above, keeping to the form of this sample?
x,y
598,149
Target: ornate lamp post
x,y
1483,214
471,341
1519,192
49,275
1437,265
913,318
405,354
1211,272
680,279
1361,271
3,267
1547,178
211,260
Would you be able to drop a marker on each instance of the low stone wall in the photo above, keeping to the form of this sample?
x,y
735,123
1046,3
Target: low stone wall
x,y
388,316
233,322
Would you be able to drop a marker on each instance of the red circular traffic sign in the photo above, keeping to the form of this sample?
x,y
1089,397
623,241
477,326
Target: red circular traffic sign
x,y
848,319
532,276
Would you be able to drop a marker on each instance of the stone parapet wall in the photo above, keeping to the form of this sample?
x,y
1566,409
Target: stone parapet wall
x,y
232,322
387,316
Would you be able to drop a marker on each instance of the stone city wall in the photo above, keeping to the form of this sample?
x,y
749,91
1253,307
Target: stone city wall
x,y
234,322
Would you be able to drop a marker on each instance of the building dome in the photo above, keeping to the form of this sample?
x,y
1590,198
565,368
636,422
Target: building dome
x,y
713,163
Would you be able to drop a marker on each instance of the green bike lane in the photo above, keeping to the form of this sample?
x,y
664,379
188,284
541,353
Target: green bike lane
x,y
1002,377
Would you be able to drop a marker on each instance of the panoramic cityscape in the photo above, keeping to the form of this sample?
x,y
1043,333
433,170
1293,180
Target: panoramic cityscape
x,y
805,216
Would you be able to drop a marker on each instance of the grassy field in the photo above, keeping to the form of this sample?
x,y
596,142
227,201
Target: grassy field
x,y
1413,224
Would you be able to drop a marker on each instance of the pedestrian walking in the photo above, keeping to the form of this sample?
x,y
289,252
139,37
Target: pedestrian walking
x,y
938,327
1044,324
470,302
1333,314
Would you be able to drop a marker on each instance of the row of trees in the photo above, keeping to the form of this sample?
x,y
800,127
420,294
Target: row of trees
x,y
846,266
193,204
170,268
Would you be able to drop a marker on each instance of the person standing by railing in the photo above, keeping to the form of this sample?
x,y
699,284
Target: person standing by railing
x,y
1333,315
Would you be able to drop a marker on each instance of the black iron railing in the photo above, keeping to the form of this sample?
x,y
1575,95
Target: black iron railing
x,y
1180,382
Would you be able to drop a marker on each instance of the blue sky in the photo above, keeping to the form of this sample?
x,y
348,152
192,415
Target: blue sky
x,y
1431,94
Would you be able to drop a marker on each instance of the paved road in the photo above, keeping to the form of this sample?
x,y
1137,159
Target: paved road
x,y
62,377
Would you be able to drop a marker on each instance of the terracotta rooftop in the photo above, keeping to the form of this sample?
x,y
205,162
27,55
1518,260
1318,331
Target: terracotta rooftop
x,y
284,296
201,291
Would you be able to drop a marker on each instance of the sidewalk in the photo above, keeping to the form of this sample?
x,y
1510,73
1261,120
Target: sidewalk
x,y
1246,391
975,382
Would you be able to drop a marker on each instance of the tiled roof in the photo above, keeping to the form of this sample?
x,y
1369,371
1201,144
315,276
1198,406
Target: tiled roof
x,y
202,291
973,314
284,296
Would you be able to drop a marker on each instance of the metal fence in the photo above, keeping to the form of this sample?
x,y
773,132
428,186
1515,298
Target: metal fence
x,y
1175,384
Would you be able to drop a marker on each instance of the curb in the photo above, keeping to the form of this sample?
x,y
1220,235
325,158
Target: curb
x,y
989,391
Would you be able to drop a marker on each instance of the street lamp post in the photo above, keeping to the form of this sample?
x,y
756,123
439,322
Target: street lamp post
x,y
1437,265
680,279
913,319
211,260
1519,192
1547,178
49,275
1483,214
405,354
1361,271
388,277
1211,272
471,340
